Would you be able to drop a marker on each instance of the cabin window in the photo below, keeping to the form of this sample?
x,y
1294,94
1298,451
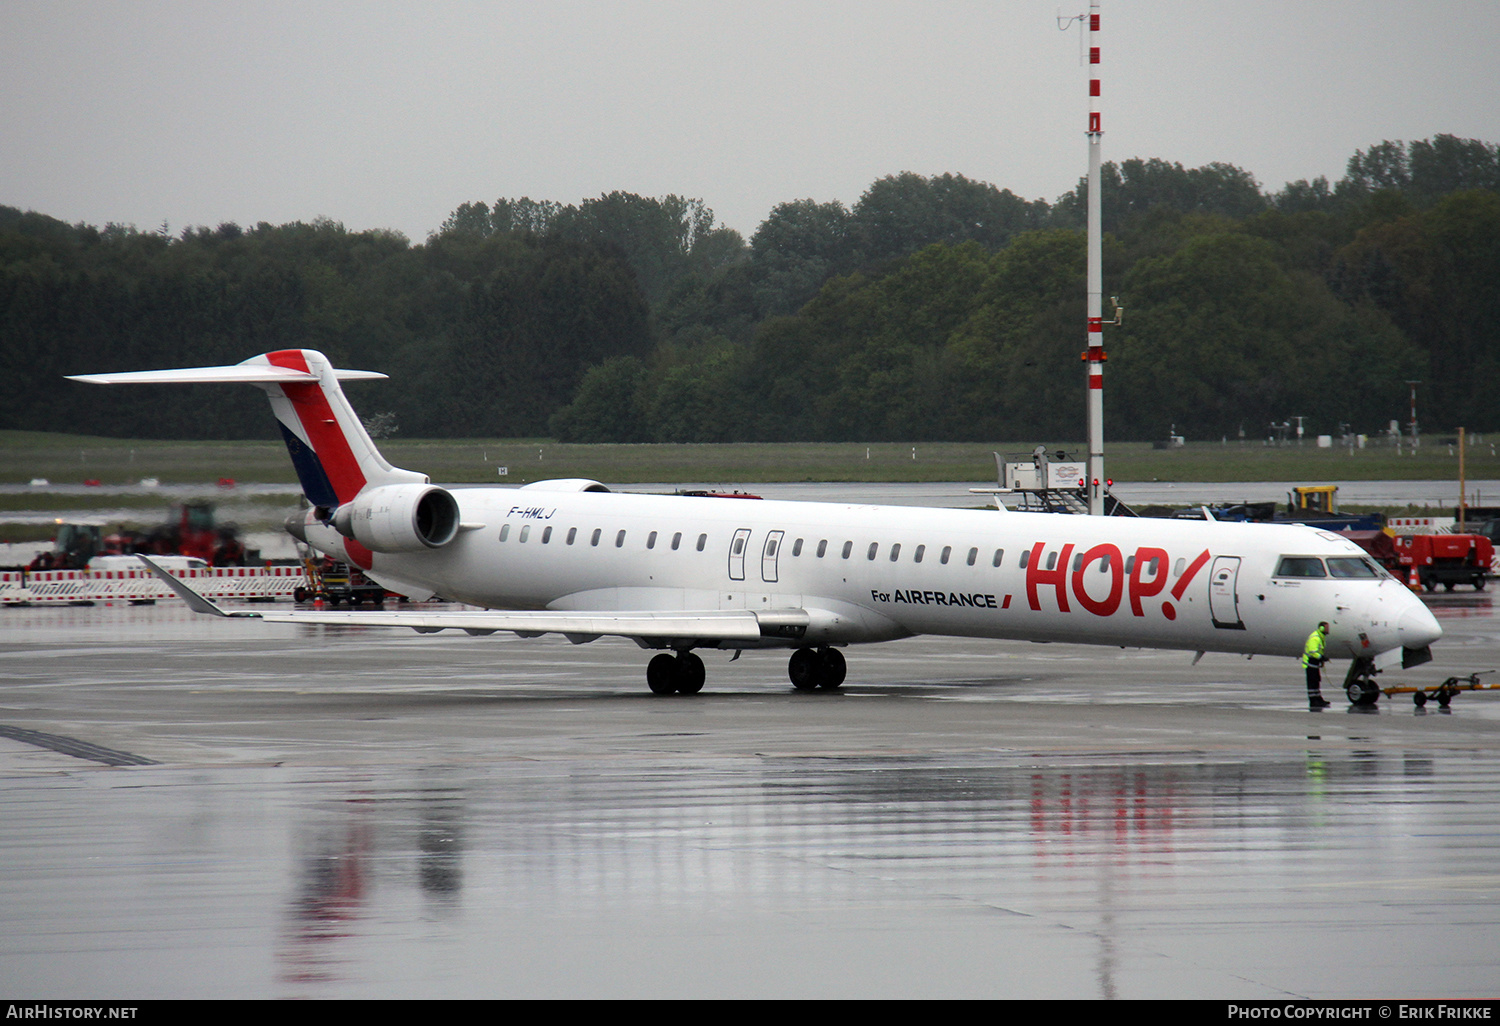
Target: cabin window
x,y
770,548
1104,563
1154,566
999,557
1297,566
546,535
504,531
702,541
848,548
572,535
620,539
739,545
1130,564
895,552
973,556
874,548
947,551
651,540
1181,565
822,547
1077,562
797,547
1051,560
1350,567
595,539
525,532
916,557
676,540
1025,558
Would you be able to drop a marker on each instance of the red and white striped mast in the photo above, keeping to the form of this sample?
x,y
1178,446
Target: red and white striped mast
x,y
1094,355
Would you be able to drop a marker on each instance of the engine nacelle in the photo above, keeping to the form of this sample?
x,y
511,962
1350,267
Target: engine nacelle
x,y
399,518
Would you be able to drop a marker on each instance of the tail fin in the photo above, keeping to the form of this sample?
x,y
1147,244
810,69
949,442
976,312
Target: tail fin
x,y
333,454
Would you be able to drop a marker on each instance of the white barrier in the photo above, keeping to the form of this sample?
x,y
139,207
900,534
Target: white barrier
x,y
67,586
1421,525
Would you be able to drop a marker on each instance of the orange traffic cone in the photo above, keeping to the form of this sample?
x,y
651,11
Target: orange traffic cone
x,y
1415,582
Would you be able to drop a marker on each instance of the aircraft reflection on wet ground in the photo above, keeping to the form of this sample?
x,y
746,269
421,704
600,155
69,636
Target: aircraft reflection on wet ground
x,y
346,814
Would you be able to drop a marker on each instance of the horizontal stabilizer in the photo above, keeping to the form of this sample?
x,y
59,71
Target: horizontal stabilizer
x,y
239,373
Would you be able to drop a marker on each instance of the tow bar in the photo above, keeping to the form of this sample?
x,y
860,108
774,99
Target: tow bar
x,y
1443,692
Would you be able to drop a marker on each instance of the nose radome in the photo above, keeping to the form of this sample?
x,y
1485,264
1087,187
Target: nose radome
x,y
1417,627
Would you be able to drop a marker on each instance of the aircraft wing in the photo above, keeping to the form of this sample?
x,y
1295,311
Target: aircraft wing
x,y
721,625
578,627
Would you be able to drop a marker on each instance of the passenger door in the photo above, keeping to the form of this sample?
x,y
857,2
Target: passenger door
x,y
1223,602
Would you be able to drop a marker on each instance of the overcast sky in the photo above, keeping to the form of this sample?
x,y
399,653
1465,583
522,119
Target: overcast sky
x,y
386,115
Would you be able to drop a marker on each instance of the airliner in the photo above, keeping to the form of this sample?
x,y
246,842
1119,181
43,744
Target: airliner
x,y
676,573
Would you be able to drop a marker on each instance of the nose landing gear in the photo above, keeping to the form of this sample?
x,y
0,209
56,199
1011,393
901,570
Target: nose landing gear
x,y
1360,686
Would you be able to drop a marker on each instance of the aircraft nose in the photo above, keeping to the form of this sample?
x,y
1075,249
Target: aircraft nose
x,y
1417,627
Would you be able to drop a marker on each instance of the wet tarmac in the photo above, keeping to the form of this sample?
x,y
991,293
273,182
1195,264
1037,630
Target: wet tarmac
x,y
201,808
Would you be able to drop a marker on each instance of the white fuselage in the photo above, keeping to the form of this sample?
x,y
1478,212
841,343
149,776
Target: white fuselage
x,y
874,573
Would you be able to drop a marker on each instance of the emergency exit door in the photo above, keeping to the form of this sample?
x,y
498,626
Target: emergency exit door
x,y
768,556
737,546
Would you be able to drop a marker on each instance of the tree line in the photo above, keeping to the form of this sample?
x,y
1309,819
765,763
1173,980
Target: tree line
x,y
933,308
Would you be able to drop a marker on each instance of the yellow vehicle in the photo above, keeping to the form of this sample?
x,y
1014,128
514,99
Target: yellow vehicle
x,y
1314,499
335,582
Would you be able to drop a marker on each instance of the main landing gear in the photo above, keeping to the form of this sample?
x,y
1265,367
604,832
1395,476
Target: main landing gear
x,y
682,673
811,669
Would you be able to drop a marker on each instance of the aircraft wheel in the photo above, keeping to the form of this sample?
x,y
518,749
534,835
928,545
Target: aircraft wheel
x,y
689,673
661,674
1362,692
805,669
1419,698
834,668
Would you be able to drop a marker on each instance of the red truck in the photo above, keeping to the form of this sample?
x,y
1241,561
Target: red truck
x,y
1445,559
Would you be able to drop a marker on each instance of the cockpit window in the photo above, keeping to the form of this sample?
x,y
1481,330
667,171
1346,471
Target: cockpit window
x,y
1300,566
1351,566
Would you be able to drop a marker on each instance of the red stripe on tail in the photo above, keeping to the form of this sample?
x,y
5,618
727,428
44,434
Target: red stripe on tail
x,y
321,427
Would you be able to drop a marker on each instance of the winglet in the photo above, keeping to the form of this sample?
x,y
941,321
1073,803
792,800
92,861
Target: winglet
x,y
196,602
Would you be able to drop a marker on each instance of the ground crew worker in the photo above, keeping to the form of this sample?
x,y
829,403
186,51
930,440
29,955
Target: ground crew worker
x,y
1313,659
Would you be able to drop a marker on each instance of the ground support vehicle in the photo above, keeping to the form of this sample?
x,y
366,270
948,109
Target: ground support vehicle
x,y
335,582
1446,559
